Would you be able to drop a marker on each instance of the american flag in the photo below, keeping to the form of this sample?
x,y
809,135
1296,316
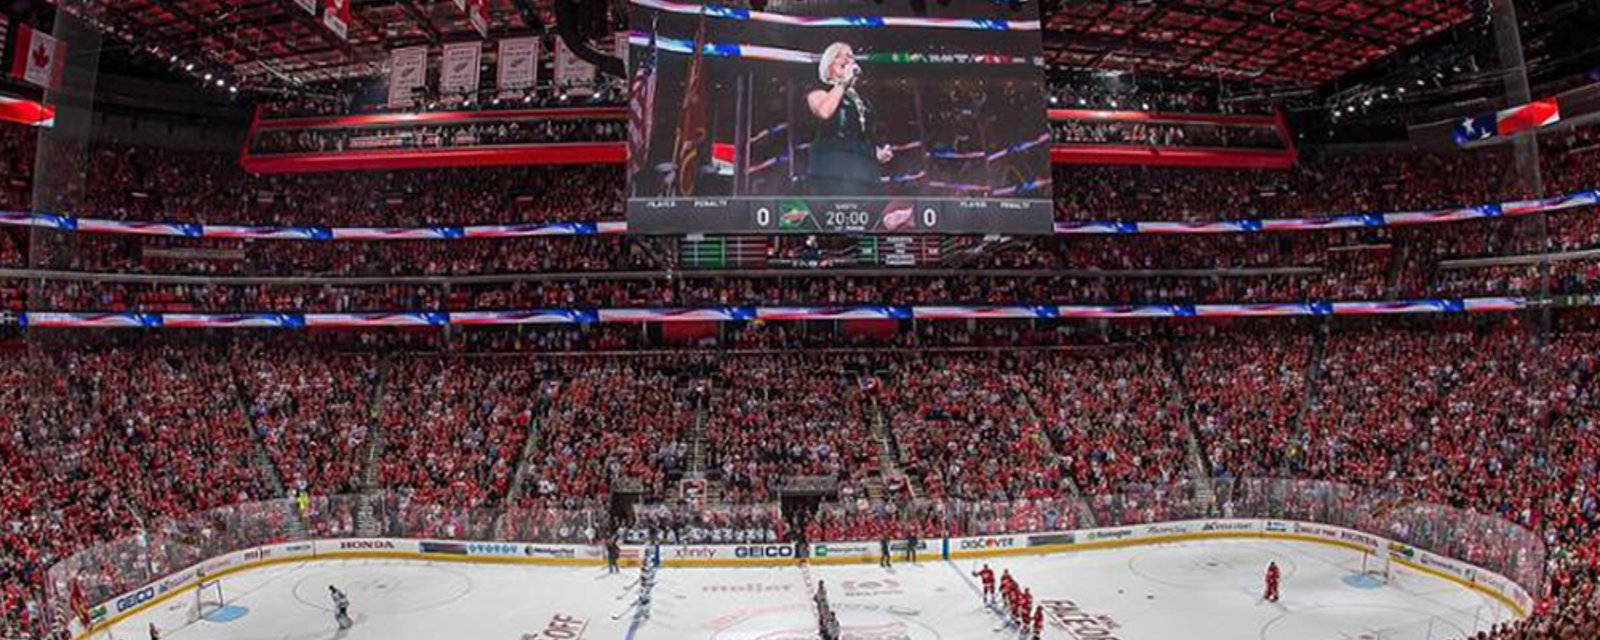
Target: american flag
x,y
642,110
1541,113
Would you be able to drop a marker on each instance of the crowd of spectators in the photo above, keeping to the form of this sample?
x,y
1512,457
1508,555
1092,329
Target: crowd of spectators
x,y
1493,419
17,144
142,183
965,433
447,136
312,413
100,441
1092,92
775,417
349,99
1114,418
623,421
453,428
1165,134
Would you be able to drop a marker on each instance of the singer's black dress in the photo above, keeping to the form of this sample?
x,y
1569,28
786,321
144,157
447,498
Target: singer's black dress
x,y
843,158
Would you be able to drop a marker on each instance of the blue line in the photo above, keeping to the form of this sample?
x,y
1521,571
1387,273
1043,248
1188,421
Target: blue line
x,y
973,586
644,590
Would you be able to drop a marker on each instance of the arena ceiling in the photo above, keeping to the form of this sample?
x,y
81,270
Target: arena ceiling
x,y
265,40
1272,42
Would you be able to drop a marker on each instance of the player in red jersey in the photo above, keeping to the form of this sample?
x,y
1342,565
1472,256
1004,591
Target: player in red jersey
x,y
1273,578
1025,609
1038,622
1007,589
986,575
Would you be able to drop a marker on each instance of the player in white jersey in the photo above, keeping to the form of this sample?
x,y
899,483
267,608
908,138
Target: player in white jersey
x,y
341,607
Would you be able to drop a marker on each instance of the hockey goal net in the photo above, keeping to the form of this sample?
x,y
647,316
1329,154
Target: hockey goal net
x,y
207,599
1377,567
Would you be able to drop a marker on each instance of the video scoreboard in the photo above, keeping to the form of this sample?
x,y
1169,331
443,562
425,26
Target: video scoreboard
x,y
837,116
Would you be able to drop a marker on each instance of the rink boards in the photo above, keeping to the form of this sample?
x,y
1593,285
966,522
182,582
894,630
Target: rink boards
x,y
1475,578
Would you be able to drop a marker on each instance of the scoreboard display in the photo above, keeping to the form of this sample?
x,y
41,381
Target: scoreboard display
x,y
838,215
837,116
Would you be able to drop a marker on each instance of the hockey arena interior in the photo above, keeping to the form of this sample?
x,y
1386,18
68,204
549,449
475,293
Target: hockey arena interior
x,y
800,319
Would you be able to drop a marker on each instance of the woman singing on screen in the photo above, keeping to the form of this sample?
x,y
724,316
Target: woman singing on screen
x,y
844,161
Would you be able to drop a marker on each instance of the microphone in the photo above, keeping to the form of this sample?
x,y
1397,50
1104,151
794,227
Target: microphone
x,y
855,72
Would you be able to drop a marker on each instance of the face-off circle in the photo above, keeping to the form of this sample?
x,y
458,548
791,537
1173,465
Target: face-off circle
x,y
386,588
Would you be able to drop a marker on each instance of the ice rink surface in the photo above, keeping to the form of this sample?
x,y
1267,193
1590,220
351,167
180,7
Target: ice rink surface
x,y
1201,590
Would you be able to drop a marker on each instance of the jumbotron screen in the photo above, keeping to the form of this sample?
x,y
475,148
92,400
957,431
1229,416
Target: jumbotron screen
x,y
848,116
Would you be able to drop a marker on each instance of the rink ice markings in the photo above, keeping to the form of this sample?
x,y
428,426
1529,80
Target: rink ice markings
x,y
1041,551
118,619
1408,588
1437,610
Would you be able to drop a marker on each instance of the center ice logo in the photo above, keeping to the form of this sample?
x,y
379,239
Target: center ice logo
x,y
884,587
798,622
1067,616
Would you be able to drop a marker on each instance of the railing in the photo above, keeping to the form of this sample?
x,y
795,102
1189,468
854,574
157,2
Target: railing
x,y
1321,222
172,549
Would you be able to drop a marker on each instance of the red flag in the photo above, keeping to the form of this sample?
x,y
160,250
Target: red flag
x,y
79,604
26,112
336,17
1542,113
37,58
692,123
478,15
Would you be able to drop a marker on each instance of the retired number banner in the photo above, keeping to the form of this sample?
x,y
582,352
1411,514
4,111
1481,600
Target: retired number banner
x,y
459,70
519,63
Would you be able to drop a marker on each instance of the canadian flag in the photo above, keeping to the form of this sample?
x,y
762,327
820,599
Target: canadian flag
x,y
38,58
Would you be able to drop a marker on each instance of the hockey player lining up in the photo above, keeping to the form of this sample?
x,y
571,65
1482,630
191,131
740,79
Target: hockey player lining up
x,y
1008,590
1038,622
1024,607
613,552
341,607
986,576
1273,577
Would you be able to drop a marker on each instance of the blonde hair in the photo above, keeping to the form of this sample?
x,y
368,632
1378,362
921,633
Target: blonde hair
x,y
828,56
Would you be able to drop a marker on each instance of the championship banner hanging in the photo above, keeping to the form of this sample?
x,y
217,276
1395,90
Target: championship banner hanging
x,y
619,48
37,58
458,72
408,71
519,64
337,17
571,72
